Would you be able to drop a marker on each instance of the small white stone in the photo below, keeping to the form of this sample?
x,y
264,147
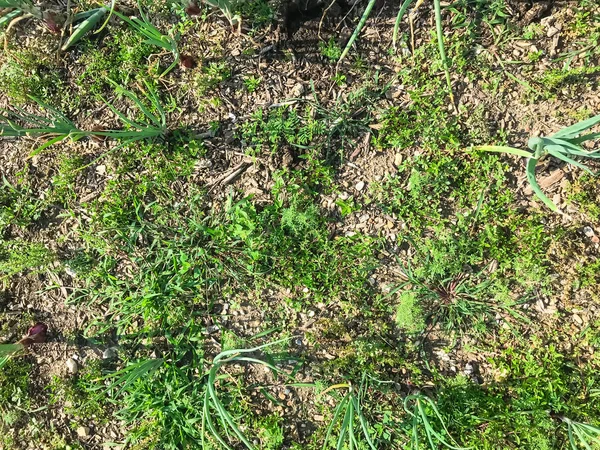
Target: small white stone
x,y
83,432
589,232
397,159
360,185
72,366
101,169
109,353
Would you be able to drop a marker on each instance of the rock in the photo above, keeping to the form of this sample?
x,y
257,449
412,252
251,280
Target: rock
x,y
101,169
360,186
577,319
552,31
109,353
298,90
72,366
397,159
83,432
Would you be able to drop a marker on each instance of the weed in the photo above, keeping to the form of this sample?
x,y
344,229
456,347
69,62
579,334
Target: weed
x,y
19,205
23,75
409,314
252,83
212,75
330,49
257,13
18,257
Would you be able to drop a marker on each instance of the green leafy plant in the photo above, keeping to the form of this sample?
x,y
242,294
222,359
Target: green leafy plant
x,y
153,36
456,302
564,145
58,127
353,422
424,414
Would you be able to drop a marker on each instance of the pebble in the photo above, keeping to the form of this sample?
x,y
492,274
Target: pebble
x,y
72,366
577,319
109,353
397,159
101,169
360,185
552,31
83,431
298,90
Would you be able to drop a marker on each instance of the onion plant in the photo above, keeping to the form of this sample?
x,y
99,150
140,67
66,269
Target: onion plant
x,y
22,7
153,36
420,408
85,21
213,404
564,145
401,12
57,127
353,422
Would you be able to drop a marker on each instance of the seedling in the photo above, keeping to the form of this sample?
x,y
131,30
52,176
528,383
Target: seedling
x,y
564,145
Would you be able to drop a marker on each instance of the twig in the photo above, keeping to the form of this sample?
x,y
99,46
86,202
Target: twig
x,y
232,175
